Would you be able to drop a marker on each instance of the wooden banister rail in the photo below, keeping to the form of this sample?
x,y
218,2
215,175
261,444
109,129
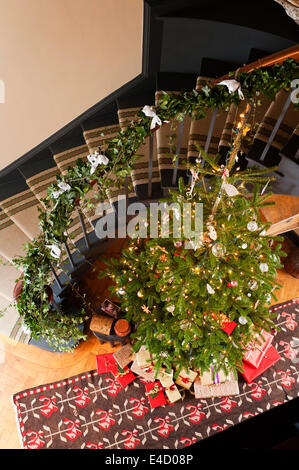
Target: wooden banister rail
x,y
286,225
275,58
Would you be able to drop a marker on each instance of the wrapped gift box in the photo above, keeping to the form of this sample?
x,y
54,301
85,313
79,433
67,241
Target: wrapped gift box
x,y
186,378
271,357
169,386
123,376
155,394
212,376
224,322
124,355
228,388
148,373
144,358
104,363
257,348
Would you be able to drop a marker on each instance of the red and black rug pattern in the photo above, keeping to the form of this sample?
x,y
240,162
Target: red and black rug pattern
x,y
92,411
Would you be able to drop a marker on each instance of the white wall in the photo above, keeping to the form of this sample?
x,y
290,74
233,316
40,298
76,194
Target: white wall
x,y
57,59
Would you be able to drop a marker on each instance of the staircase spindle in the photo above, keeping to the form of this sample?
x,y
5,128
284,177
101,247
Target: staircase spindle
x,y
69,255
276,127
178,151
150,165
83,229
56,277
210,132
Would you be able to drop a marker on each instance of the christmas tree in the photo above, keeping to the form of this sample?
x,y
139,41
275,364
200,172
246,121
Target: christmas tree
x,y
197,302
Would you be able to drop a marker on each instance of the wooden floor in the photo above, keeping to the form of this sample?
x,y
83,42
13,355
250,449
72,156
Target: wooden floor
x,y
23,366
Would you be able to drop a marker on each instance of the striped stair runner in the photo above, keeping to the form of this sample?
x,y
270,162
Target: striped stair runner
x,y
172,151
145,173
206,132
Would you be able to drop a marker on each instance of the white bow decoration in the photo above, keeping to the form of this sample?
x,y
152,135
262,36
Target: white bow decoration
x,y
55,250
149,112
233,86
96,159
62,188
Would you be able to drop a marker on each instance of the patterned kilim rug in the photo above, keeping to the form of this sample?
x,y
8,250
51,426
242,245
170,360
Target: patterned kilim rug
x,y
91,411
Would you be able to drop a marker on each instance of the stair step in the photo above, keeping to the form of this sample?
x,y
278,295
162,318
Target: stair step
x,y
19,203
144,186
105,117
12,238
283,135
172,155
8,275
215,68
10,324
291,149
256,54
206,132
96,138
171,81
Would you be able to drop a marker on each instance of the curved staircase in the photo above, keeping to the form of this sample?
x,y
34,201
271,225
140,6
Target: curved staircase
x,y
275,142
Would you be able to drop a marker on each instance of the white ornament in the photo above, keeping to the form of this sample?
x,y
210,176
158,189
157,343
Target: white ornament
x,y
232,86
242,320
212,232
55,250
263,233
252,226
244,246
249,295
149,112
264,267
230,190
96,159
218,250
210,289
121,292
171,308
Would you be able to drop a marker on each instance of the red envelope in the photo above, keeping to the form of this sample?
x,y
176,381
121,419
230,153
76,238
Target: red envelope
x,y
104,363
271,357
159,398
123,376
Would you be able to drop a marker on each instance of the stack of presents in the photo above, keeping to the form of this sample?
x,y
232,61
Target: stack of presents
x,y
163,388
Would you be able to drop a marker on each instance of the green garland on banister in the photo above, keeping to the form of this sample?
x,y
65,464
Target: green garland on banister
x,y
109,170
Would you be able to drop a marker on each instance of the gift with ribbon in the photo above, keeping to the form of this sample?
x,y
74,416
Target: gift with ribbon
x,y
169,386
270,357
154,392
213,376
257,348
224,322
147,373
186,378
144,358
228,388
124,376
